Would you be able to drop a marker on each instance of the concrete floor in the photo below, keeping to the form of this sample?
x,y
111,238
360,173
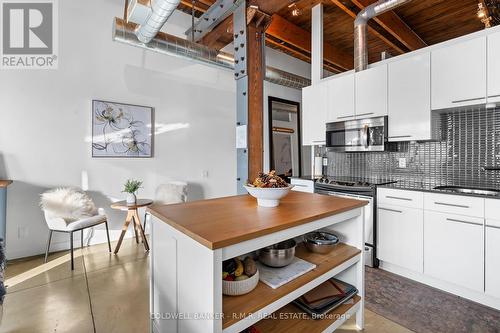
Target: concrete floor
x,y
105,293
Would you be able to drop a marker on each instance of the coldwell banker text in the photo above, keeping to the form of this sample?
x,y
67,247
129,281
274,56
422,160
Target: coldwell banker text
x,y
29,34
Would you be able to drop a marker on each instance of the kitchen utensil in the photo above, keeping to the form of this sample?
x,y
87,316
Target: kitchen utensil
x,y
320,241
278,255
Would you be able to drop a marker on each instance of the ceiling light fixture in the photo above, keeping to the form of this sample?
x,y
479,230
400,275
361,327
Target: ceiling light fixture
x,y
481,12
295,10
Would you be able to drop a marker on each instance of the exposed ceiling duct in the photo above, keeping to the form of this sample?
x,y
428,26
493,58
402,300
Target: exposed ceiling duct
x,y
178,47
159,14
360,29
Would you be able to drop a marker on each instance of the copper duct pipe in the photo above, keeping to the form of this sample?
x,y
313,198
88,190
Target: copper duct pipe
x,y
360,29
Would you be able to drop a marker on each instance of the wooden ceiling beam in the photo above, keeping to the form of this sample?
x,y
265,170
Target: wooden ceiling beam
x,y
201,8
394,25
300,38
373,31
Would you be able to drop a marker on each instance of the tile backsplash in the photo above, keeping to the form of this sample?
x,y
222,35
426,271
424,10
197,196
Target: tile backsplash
x,y
468,140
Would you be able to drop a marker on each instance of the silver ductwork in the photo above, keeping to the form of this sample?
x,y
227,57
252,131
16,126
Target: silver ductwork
x,y
174,46
160,12
360,29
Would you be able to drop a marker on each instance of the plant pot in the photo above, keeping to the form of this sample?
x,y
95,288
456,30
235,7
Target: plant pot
x,y
131,199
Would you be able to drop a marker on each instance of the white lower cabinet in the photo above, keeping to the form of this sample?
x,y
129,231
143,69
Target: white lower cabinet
x,y
492,259
454,249
401,236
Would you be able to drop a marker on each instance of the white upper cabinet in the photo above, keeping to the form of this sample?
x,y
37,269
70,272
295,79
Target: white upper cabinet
x,y
314,102
494,67
371,92
340,93
459,74
410,98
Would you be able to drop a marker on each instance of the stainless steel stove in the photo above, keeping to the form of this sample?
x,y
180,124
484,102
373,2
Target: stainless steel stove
x,y
361,189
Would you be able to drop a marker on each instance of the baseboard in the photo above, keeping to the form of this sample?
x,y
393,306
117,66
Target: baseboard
x,y
451,288
90,237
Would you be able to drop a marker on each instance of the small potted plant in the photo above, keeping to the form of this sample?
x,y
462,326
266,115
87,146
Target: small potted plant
x,y
131,187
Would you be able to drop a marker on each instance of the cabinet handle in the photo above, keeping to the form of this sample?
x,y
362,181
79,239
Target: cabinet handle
x,y
462,221
399,136
318,141
495,95
451,205
364,114
299,185
467,100
493,226
344,117
390,210
398,198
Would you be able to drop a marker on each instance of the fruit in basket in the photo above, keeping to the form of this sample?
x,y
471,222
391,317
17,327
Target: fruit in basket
x,y
268,180
241,277
239,268
229,266
250,266
229,277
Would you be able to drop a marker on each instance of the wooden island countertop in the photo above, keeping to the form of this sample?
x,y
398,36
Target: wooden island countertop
x,y
5,183
221,222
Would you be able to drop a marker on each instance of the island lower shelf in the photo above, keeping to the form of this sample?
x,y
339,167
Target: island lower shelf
x,y
236,308
290,319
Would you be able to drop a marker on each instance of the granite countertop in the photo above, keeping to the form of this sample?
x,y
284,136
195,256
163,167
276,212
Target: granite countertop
x,y
426,187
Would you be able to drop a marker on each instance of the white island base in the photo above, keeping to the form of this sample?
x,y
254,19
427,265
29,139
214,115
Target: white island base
x,y
186,278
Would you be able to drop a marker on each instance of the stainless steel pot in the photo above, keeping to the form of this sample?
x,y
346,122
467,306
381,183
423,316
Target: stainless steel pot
x,y
278,255
320,241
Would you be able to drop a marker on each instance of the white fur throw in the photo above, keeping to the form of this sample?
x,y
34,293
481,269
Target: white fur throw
x,y
68,203
171,193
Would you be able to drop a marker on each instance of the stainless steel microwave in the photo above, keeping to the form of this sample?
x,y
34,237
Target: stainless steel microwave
x,y
357,135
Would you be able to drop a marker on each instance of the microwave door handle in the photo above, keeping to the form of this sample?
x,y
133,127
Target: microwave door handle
x,y
366,136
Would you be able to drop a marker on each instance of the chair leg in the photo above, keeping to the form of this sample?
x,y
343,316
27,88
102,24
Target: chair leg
x,y
71,246
107,234
81,238
48,246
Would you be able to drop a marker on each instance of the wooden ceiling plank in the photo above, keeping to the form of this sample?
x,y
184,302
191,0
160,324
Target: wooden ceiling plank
x,y
394,25
297,54
201,8
300,38
373,31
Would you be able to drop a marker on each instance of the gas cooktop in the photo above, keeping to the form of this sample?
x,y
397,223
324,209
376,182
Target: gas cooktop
x,y
353,181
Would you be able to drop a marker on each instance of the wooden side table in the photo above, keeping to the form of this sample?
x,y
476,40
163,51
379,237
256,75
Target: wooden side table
x,y
132,216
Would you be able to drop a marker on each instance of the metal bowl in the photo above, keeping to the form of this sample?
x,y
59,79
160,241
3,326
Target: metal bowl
x,y
278,255
321,241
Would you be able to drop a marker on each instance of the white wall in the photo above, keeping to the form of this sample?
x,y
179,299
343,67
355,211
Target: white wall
x,y
46,123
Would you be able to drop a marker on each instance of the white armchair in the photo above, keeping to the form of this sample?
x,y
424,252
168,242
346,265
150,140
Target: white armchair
x,y
171,192
60,225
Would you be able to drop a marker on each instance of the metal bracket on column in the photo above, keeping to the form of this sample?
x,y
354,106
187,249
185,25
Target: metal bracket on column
x,y
240,41
240,75
214,15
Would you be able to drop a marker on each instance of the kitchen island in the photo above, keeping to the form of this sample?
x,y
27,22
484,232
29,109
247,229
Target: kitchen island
x,y
190,241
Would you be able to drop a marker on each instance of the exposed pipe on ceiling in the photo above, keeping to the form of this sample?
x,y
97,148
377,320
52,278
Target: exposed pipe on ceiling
x,y
178,47
360,29
160,12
